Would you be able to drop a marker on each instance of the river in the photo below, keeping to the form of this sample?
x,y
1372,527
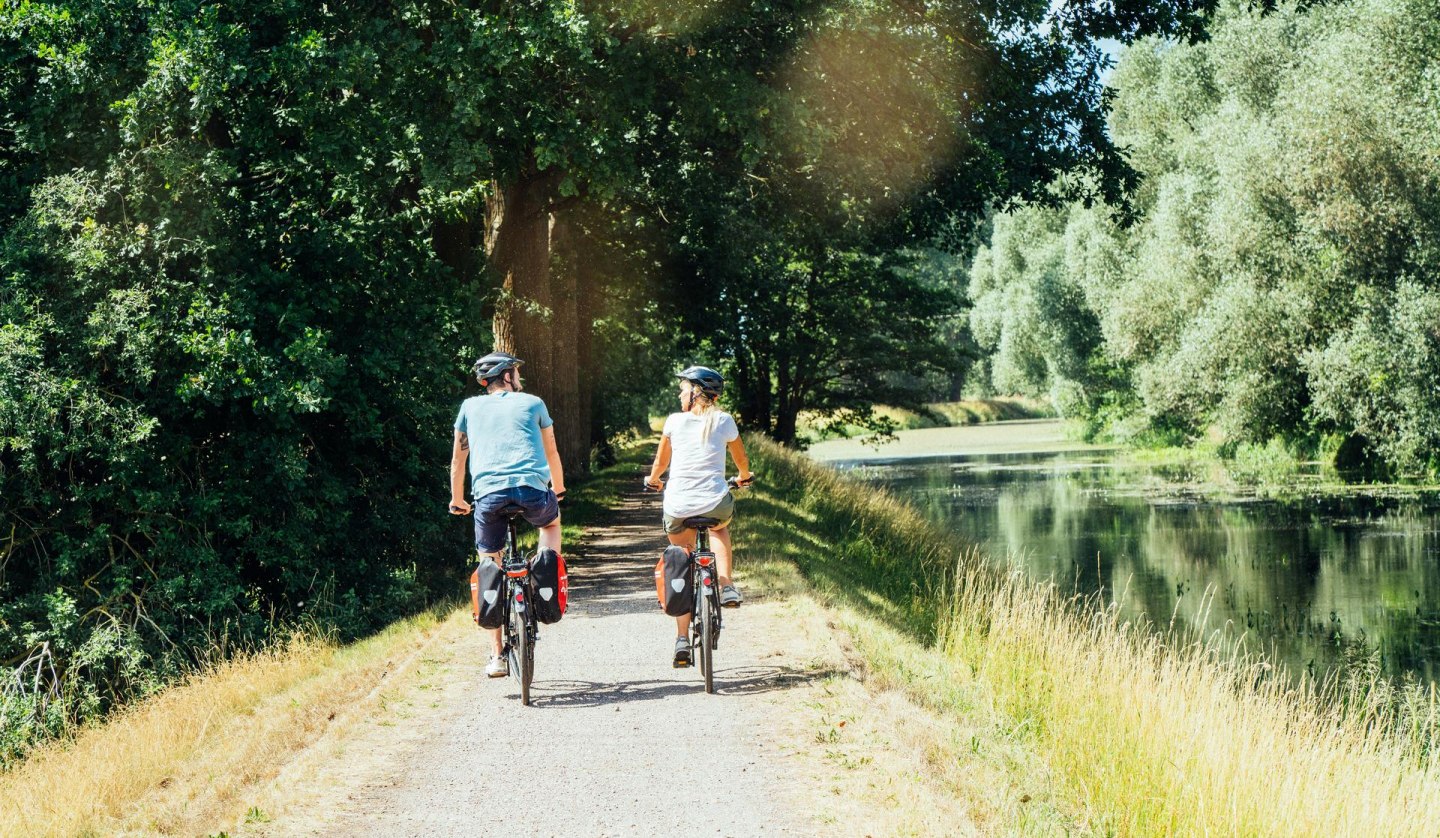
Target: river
x,y
1310,581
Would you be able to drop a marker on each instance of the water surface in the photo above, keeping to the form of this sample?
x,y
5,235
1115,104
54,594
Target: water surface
x,y
1310,580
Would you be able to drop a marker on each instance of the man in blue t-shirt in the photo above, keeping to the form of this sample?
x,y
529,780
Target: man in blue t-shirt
x,y
509,440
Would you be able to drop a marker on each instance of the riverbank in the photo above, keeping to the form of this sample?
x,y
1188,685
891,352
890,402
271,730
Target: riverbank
x,y
1266,472
1130,732
1022,436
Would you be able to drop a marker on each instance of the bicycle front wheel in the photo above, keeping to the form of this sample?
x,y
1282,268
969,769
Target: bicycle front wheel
x,y
707,639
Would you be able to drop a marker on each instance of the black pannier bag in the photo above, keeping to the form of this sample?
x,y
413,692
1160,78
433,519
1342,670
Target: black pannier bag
x,y
487,592
674,582
547,573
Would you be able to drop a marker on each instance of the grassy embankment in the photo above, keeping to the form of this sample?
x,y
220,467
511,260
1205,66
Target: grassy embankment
x,y
938,415
1276,470
193,755
1142,735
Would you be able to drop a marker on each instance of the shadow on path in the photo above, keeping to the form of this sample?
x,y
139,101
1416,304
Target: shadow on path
x,y
743,680
612,571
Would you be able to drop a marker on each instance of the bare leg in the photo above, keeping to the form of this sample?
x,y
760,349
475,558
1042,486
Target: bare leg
x,y
720,543
550,536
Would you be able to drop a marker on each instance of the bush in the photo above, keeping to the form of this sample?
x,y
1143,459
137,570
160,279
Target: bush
x,y
230,358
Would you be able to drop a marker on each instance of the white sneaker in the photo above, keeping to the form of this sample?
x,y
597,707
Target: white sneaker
x,y
498,667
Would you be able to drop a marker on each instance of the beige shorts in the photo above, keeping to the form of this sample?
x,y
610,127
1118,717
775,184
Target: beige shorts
x,y
723,511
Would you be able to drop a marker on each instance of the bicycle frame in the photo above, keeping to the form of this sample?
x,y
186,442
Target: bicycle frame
x,y
707,579
707,605
519,647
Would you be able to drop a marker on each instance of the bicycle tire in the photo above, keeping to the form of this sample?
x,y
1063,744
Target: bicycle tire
x,y
707,638
716,620
522,656
528,668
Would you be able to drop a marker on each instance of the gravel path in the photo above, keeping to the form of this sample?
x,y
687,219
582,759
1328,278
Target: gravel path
x,y
616,742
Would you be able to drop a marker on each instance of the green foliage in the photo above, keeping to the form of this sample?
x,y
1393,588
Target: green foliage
x,y
229,357
1380,377
882,131
241,267
1282,275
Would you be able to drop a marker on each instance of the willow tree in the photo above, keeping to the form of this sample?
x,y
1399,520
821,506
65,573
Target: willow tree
x,y
1281,276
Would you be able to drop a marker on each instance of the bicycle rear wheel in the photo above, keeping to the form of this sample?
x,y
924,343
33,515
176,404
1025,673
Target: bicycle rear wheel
x,y
707,640
522,650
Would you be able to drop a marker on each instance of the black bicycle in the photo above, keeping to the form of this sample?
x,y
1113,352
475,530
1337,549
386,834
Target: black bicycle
x,y
520,627
705,619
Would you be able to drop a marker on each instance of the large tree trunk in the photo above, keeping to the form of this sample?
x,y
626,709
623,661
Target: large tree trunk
x,y
537,317
572,421
587,302
787,406
517,240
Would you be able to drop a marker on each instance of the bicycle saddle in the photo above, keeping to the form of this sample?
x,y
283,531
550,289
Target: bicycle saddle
x,y
697,523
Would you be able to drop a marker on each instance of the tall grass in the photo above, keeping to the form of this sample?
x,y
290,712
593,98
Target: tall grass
x,y
184,760
1146,732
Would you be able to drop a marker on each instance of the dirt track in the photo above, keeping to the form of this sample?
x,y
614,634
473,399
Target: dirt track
x,y
616,742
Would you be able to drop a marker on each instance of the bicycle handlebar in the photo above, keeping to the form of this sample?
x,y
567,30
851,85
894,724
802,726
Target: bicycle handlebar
x,y
732,482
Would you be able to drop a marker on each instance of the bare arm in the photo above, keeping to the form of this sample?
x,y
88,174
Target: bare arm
x,y
552,459
742,461
458,455
662,462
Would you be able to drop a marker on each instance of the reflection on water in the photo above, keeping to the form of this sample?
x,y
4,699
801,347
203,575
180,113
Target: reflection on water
x,y
1304,580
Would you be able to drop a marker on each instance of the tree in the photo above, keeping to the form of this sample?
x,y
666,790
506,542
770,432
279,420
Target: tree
x,y
1285,244
229,355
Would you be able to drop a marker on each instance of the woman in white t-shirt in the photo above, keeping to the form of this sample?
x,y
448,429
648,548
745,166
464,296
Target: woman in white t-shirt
x,y
693,447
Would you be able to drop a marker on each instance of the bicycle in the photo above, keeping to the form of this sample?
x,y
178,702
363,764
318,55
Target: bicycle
x,y
705,619
519,625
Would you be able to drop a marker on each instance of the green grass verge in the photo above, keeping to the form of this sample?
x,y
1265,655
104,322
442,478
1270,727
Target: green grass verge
x,y
936,415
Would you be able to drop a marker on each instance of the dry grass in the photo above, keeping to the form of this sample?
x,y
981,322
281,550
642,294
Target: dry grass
x,y
1142,734
186,760
1156,738
873,760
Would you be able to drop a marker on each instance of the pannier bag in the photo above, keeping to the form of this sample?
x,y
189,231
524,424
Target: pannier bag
x,y
487,592
547,572
674,583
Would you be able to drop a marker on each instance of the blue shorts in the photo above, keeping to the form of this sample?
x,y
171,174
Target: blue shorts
x,y
536,506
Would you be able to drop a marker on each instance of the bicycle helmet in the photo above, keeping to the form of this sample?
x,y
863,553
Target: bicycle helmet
x,y
710,382
491,366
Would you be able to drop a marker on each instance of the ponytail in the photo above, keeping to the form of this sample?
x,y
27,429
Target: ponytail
x,y
711,415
